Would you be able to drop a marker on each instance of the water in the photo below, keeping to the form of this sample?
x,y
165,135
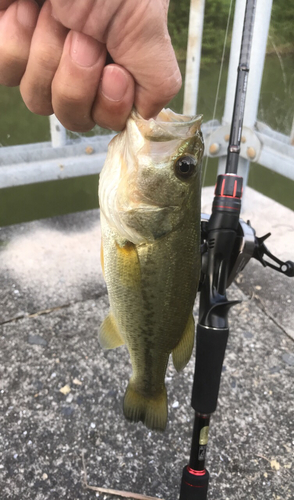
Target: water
x,y
19,126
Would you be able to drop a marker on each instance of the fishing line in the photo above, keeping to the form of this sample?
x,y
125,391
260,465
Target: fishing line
x,y
218,83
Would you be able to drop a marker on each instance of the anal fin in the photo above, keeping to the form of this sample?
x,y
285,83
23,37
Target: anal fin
x,y
182,352
109,336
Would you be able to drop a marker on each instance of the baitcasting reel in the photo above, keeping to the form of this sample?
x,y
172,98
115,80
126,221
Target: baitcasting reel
x,y
247,246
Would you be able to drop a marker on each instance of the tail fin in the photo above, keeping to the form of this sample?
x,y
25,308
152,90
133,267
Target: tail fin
x,y
152,411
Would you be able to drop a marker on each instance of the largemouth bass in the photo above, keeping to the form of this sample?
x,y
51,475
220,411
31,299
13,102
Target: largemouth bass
x,y
149,197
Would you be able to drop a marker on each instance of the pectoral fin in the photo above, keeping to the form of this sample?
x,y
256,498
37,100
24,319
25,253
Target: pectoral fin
x,y
128,265
182,352
109,336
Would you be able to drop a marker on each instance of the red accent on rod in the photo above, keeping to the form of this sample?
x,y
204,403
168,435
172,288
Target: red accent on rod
x,y
196,472
235,189
194,485
229,208
223,187
225,196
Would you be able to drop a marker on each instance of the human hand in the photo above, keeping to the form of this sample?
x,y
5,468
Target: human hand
x,y
57,54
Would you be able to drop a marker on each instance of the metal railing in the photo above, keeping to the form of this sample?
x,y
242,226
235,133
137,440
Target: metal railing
x,y
64,157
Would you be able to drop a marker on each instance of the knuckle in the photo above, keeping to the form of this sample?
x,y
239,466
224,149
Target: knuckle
x,y
106,120
113,117
9,80
110,124
47,57
36,95
38,107
74,123
72,105
68,94
12,67
78,127
172,85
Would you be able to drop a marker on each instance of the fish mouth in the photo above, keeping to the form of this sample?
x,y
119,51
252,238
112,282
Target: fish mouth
x,y
152,208
169,116
167,126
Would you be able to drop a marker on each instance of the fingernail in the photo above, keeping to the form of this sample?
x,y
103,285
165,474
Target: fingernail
x,y
114,83
27,14
84,50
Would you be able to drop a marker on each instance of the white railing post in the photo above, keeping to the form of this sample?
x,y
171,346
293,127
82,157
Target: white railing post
x,y
196,20
58,132
258,52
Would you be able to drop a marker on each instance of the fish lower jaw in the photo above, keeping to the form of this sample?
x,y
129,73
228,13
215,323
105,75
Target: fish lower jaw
x,y
150,208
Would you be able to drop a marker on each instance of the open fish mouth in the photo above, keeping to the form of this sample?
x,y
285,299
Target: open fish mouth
x,y
153,208
167,126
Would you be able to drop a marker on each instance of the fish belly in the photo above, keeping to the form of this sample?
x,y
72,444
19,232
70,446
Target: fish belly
x,y
151,289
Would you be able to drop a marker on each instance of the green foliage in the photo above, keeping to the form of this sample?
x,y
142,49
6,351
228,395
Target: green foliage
x,y
282,23
215,21
178,21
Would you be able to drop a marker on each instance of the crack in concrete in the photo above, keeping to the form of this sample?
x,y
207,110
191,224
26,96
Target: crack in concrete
x,y
33,315
263,308
47,311
261,305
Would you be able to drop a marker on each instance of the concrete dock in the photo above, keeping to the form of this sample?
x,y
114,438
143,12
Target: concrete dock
x,y
61,394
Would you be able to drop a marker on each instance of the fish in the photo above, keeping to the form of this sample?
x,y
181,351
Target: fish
x,y
149,196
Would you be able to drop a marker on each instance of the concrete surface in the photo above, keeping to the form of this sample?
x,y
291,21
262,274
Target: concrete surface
x,y
53,300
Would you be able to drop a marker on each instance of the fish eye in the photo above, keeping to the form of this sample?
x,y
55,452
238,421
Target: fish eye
x,y
185,167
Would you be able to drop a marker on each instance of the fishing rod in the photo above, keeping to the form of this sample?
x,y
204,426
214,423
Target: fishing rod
x,y
228,243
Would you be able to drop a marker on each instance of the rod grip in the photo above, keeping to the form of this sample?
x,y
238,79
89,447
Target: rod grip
x,y
194,487
210,352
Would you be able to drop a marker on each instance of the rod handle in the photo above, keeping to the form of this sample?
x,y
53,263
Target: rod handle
x,y
210,351
194,485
